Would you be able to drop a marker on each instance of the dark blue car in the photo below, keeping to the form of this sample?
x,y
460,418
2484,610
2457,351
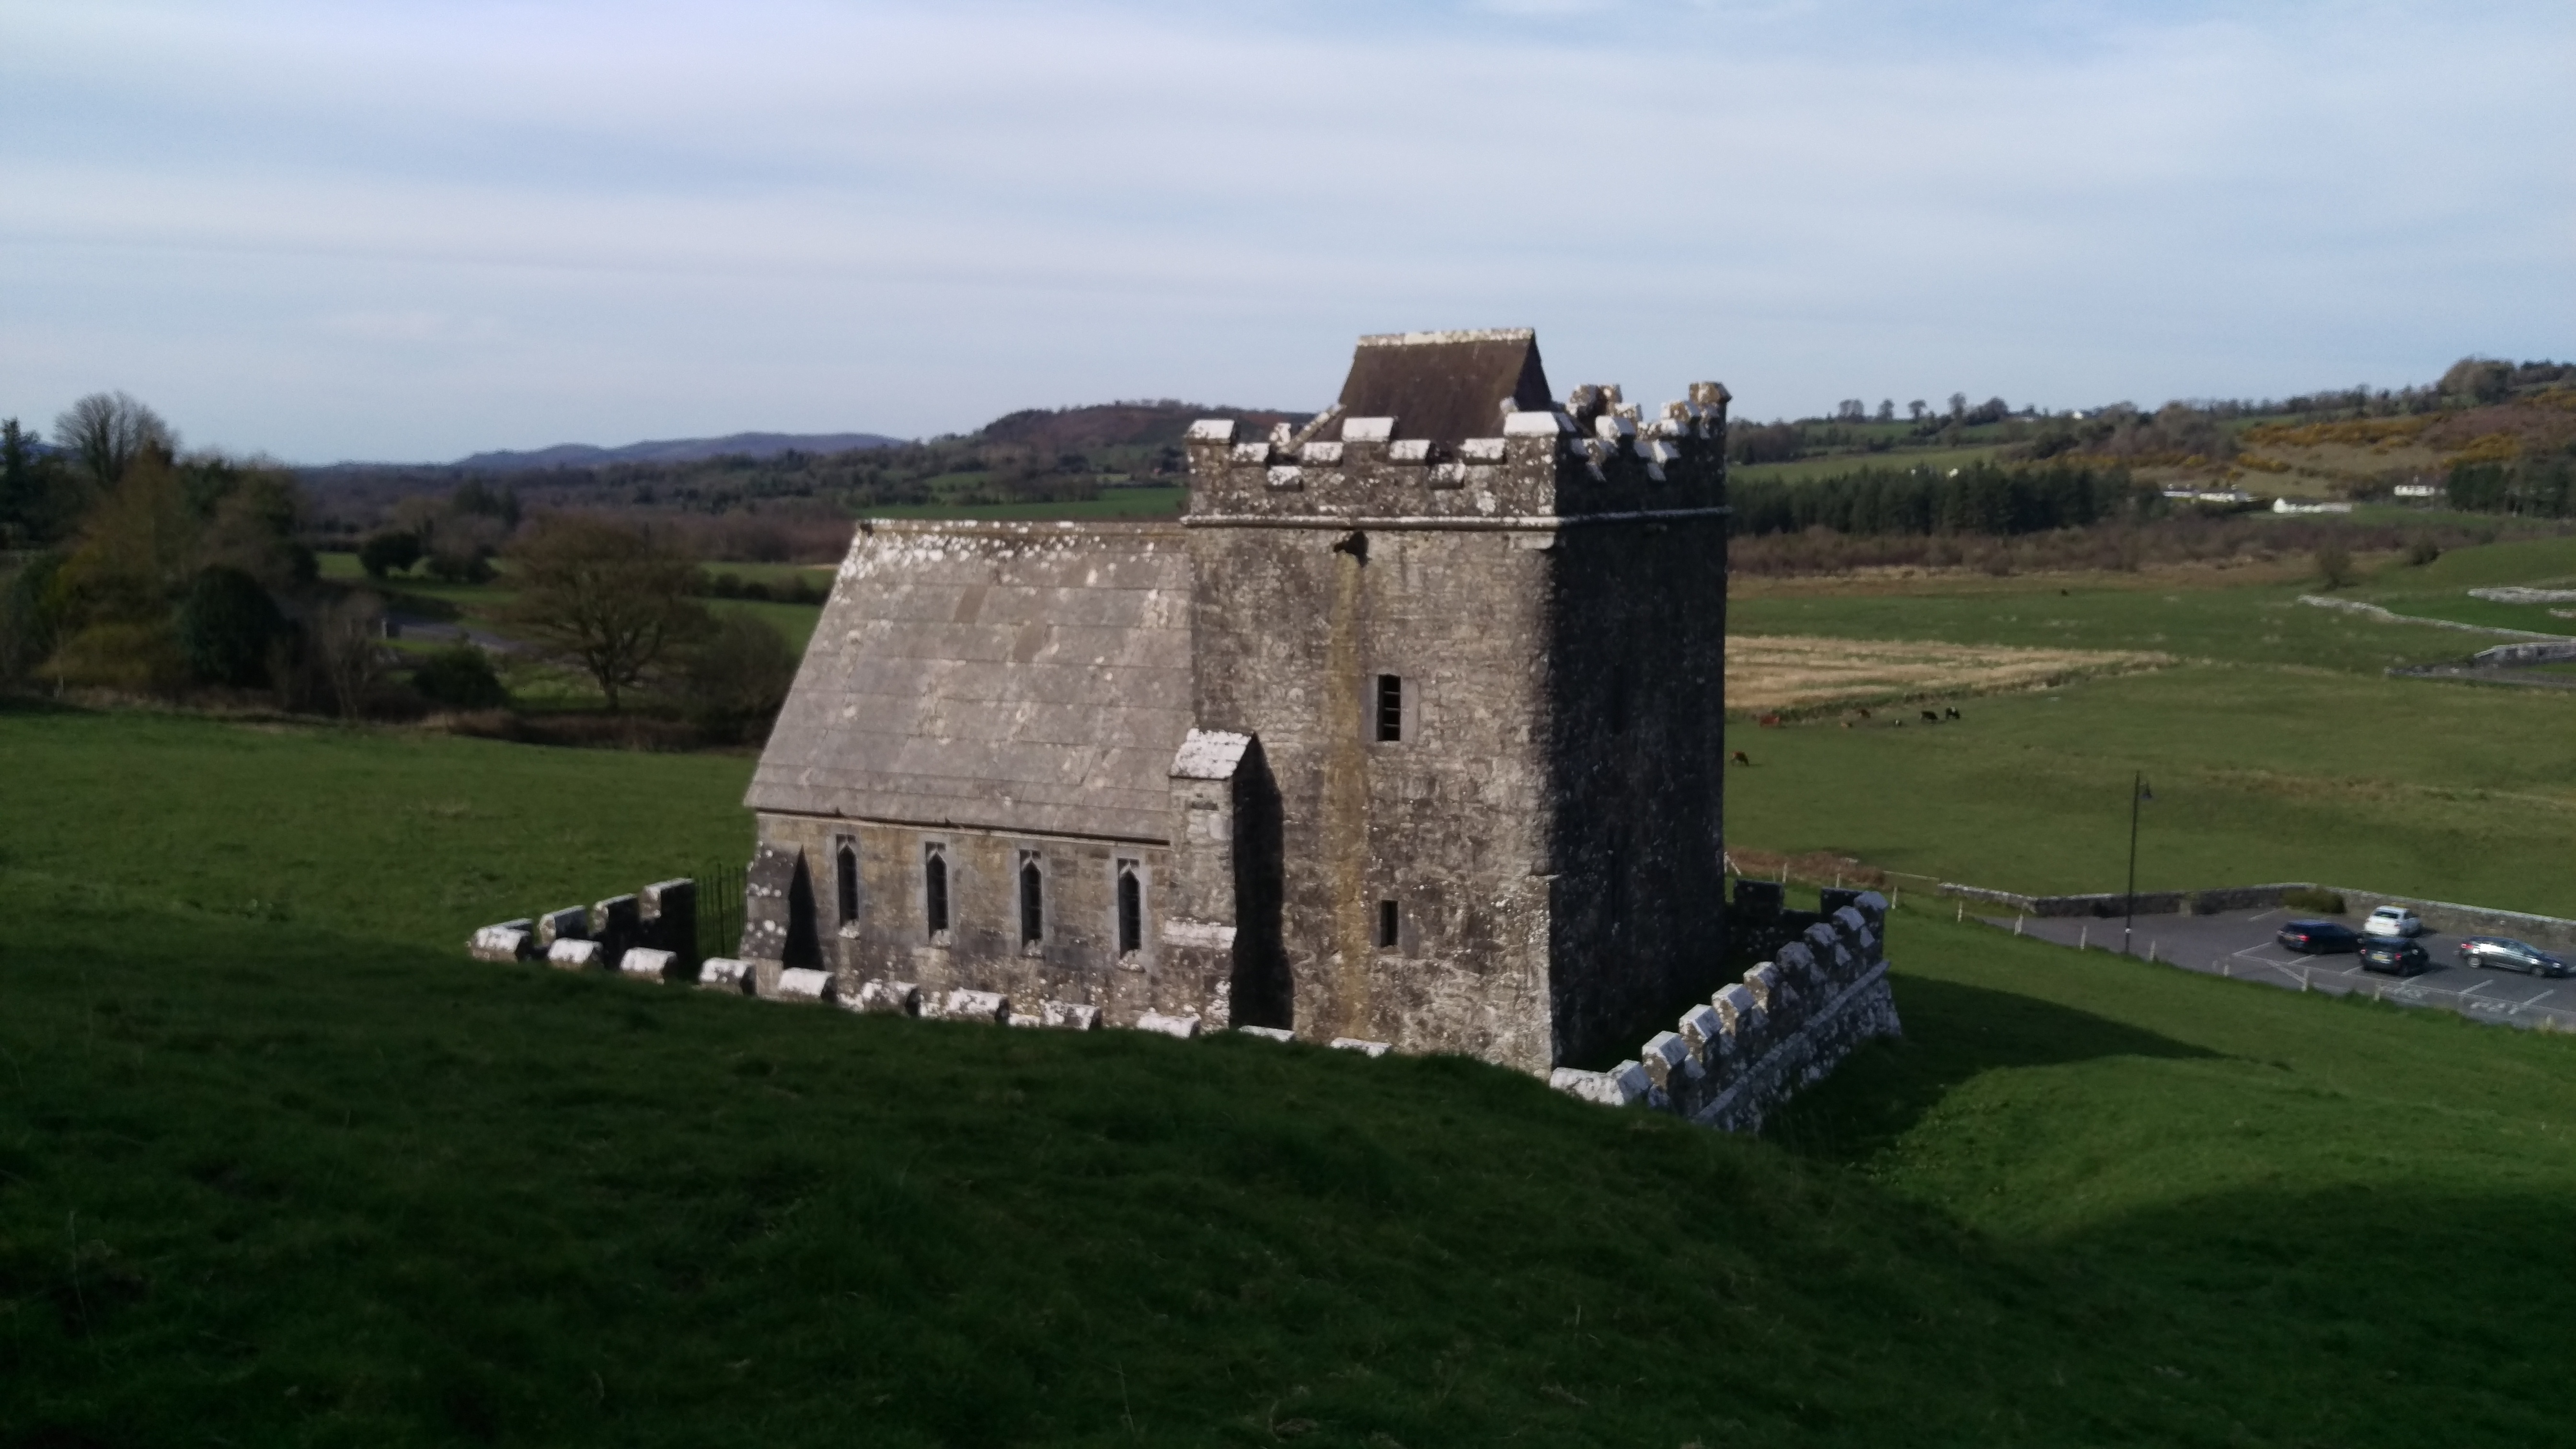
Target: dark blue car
x,y
2318,938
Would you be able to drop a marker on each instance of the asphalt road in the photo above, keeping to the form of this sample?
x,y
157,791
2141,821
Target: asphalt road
x,y
2240,944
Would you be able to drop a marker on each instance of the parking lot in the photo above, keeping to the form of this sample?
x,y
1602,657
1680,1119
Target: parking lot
x,y
2240,945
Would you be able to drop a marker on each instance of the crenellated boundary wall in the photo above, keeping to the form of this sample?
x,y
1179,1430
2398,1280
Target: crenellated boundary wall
x,y
1757,1042
1729,1062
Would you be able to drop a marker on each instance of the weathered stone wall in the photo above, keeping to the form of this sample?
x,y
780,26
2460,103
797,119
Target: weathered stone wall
x,y
658,924
1294,627
1759,1041
1636,688
1076,958
1549,824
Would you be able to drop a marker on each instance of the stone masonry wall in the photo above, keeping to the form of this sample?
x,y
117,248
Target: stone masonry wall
x,y
1757,1042
1553,599
1293,630
1076,959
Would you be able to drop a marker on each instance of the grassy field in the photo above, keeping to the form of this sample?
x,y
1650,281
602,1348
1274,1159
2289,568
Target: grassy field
x,y
2451,791
279,1166
482,607
2278,749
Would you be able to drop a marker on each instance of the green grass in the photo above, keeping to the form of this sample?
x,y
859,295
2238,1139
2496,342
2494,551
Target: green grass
x,y
484,606
2262,624
2439,590
314,1178
2279,750
2451,791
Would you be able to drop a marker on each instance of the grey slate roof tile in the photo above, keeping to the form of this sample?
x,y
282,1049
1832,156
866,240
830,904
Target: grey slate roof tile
x,y
1028,677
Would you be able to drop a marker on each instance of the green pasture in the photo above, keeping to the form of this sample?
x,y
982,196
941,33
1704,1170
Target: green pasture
x,y
279,1166
2439,590
2260,624
2278,747
482,606
2456,792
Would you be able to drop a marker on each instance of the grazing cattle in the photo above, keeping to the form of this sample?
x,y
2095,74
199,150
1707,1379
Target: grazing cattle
x,y
1930,718
1738,758
1949,712
1847,724
1769,721
1864,714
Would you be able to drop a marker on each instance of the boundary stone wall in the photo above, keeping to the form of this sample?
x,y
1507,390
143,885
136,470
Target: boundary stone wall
x,y
1759,1041
653,932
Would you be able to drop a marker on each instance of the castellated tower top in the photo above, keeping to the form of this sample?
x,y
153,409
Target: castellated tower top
x,y
1458,430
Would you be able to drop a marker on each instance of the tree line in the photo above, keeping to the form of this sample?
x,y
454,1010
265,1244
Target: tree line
x,y
136,570
1978,499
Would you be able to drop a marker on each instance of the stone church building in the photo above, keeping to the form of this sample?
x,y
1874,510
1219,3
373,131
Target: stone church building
x,y
1407,730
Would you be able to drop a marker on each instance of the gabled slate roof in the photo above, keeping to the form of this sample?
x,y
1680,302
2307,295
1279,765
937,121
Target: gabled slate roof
x,y
1445,386
1007,676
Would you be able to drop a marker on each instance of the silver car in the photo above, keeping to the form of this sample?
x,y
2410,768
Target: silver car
x,y
2508,954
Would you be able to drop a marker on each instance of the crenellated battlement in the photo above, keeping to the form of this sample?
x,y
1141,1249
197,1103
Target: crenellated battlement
x,y
1593,455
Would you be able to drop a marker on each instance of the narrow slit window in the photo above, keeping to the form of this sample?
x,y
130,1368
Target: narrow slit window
x,y
1032,901
1389,926
847,871
1131,910
1390,708
934,889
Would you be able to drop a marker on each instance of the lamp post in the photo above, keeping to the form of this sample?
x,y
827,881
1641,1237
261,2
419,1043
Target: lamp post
x,y
2139,794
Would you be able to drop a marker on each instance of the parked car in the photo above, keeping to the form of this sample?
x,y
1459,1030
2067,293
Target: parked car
x,y
2395,954
2318,938
2393,921
2508,954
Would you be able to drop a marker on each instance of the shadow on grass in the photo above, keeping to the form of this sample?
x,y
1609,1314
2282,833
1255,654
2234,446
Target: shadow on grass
x,y
1953,1033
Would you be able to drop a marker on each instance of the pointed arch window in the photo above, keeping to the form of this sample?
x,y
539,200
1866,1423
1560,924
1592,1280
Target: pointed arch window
x,y
934,889
1032,899
1131,909
845,873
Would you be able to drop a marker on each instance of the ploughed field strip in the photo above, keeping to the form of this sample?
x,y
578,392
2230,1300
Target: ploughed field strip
x,y
1782,671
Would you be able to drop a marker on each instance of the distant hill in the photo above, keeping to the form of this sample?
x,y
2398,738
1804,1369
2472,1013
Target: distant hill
x,y
1159,423
675,450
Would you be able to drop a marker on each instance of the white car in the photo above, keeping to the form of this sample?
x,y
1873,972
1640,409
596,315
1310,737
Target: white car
x,y
2393,921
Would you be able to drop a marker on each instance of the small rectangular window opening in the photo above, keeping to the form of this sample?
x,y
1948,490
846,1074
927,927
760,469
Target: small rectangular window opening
x,y
934,888
1390,708
846,873
1131,910
1388,926
1032,900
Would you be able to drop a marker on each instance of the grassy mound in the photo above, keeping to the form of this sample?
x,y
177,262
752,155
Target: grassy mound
x,y
319,1179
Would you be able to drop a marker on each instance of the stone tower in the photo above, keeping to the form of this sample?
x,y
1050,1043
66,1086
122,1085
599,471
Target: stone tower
x,y
1475,639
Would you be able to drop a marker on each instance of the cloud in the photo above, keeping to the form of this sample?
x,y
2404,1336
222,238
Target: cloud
x,y
528,222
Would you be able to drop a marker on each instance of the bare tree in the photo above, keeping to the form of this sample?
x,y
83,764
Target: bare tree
x,y
107,431
608,598
346,637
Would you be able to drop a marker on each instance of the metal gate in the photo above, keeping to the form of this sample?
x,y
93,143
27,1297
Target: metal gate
x,y
720,909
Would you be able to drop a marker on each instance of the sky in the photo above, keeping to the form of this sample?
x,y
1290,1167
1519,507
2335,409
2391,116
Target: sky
x,y
407,232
